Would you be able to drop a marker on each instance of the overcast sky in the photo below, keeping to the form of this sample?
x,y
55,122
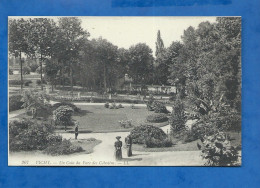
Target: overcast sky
x,y
127,31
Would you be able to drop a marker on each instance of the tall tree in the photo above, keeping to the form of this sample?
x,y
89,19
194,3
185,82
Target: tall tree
x,y
18,40
73,37
41,38
140,63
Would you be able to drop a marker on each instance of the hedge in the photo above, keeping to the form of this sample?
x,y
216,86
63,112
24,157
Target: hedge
x,y
15,103
143,132
157,118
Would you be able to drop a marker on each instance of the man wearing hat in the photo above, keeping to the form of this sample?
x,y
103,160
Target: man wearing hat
x,y
76,130
118,150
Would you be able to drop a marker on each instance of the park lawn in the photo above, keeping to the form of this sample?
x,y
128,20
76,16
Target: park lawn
x,y
86,144
97,118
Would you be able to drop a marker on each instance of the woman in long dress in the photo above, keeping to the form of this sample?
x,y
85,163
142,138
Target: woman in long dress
x,y
118,150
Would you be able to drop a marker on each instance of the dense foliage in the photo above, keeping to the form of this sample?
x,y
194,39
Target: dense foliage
x,y
143,132
62,116
157,118
25,135
217,150
65,147
178,118
74,107
15,102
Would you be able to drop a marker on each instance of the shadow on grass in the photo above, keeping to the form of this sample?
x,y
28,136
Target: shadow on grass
x,y
83,113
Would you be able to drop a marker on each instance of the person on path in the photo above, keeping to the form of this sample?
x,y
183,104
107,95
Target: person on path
x,y
118,150
76,131
129,141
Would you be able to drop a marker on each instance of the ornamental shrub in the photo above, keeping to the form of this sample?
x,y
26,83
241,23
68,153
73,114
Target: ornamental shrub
x,y
15,102
141,133
34,67
159,107
62,116
178,118
155,143
63,148
25,135
217,150
74,107
26,70
157,118
106,105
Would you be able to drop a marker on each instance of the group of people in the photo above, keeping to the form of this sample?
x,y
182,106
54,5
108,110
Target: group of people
x,y
118,147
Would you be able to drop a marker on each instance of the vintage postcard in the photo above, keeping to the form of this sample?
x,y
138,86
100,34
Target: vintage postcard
x,y
124,91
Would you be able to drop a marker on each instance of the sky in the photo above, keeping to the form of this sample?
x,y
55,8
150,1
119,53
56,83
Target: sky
x,y
127,31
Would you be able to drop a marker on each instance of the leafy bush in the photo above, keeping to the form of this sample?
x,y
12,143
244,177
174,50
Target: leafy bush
x,y
62,116
37,100
34,67
25,135
113,106
27,82
178,118
157,118
15,82
38,82
126,123
120,106
63,148
155,143
15,102
26,70
217,150
106,105
160,108
74,107
141,133
11,72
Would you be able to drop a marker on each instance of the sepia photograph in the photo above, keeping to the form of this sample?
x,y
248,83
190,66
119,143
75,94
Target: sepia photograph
x,y
124,91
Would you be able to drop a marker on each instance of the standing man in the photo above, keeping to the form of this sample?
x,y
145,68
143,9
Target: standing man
x,y
76,130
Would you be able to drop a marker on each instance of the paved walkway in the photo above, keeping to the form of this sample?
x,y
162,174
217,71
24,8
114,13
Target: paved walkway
x,y
103,154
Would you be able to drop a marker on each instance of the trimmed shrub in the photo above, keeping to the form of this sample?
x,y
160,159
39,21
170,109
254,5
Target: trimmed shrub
x,y
178,118
15,102
106,105
11,72
27,82
126,123
34,67
63,148
120,106
15,82
113,106
62,116
26,70
141,133
155,143
74,107
38,82
160,108
157,118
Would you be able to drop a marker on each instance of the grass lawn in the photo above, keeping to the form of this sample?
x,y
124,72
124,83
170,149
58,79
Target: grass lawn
x,y
86,144
191,146
100,119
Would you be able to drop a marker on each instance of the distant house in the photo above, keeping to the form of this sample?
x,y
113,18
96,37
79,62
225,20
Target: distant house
x,y
125,84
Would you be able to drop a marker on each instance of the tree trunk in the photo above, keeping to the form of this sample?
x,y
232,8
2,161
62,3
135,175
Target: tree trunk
x,y
41,71
71,79
21,64
105,79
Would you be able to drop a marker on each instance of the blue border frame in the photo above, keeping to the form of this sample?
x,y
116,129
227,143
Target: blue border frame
x,y
246,176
